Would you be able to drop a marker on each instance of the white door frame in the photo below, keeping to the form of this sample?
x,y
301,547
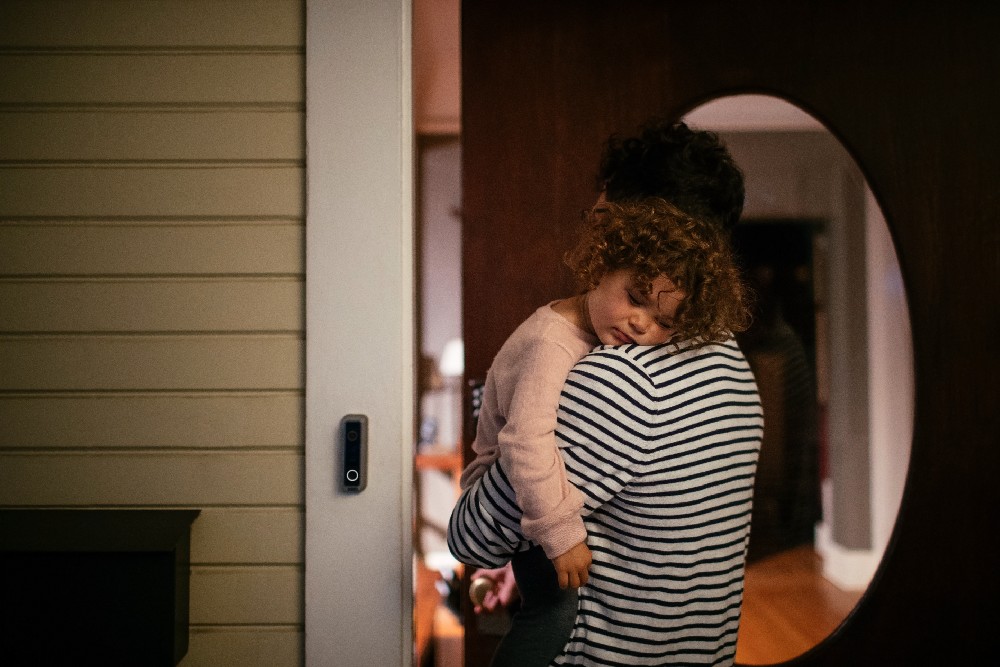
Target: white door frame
x,y
359,329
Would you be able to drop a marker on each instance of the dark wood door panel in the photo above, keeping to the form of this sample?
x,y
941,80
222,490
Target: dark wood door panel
x,y
910,90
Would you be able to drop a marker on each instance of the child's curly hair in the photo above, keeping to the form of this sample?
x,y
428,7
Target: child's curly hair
x,y
651,238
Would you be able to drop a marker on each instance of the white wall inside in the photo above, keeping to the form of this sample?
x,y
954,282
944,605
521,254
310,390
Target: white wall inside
x,y
890,345
441,322
441,243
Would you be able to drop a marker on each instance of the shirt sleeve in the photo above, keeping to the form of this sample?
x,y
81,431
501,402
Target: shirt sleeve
x,y
605,422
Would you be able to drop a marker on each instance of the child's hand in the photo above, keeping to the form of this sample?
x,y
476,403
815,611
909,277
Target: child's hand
x,y
572,566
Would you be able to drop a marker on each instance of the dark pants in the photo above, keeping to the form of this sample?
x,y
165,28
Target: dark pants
x,y
541,627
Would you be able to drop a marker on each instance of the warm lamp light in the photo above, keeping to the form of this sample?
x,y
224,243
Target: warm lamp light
x,y
453,358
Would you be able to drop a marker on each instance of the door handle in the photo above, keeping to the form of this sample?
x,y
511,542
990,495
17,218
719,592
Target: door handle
x,y
479,587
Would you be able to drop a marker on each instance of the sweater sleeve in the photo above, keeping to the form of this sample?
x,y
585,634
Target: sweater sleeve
x,y
528,453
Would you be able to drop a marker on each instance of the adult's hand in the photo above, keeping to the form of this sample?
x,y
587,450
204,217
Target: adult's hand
x,y
502,592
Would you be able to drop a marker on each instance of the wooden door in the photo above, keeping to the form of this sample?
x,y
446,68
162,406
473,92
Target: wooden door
x,y
910,90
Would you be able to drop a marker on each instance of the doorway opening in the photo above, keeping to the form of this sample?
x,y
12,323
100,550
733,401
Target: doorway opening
x,y
438,632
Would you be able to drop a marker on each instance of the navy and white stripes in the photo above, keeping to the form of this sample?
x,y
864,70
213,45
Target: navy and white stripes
x,y
663,444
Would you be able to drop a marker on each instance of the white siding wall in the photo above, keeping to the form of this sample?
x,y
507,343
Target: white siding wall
x,y
151,287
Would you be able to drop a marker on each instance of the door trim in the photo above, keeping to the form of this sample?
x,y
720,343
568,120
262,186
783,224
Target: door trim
x,y
359,329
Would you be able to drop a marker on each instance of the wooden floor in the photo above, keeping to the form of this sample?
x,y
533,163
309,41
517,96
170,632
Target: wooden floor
x,y
788,607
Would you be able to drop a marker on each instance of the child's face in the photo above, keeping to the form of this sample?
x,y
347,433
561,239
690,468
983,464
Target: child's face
x,y
621,313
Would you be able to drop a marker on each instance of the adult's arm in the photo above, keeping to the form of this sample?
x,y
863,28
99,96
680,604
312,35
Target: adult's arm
x,y
605,418
598,433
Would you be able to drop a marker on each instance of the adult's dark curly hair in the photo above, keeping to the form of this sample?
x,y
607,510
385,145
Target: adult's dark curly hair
x,y
651,237
691,169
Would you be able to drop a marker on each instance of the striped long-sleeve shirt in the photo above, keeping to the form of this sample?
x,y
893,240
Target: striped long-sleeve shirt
x,y
664,445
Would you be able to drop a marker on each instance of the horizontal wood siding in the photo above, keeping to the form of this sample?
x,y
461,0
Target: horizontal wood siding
x,y
254,646
100,135
151,288
151,191
125,479
248,419
161,248
145,304
246,24
151,362
135,77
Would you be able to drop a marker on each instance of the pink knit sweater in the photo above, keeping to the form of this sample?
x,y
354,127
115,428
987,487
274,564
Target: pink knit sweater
x,y
517,424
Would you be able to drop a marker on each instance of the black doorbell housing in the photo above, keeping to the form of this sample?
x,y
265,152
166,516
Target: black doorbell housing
x,y
354,443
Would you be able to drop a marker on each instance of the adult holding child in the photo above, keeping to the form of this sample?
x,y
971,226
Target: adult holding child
x,y
658,436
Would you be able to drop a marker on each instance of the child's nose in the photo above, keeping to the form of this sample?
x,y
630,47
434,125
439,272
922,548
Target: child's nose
x,y
639,321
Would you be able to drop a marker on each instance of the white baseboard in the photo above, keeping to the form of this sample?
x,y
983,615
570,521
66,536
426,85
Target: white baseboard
x,y
847,569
